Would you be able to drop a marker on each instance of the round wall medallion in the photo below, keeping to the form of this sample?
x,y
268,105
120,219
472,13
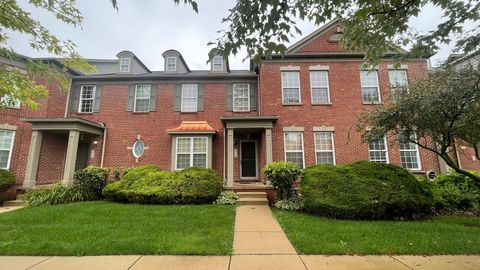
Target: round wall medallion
x,y
138,148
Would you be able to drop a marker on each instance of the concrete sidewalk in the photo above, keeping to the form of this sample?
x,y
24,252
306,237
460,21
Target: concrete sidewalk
x,y
259,243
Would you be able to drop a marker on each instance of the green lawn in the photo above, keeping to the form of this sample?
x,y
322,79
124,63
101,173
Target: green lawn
x,y
95,228
441,235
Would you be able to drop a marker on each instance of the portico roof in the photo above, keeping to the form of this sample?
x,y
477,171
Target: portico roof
x,y
263,121
192,127
65,124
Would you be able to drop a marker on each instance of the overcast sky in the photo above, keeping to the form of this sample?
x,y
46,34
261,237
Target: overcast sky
x,y
150,27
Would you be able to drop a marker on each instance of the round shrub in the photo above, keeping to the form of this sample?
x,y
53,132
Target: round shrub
x,y
363,190
150,185
91,181
455,191
7,180
282,175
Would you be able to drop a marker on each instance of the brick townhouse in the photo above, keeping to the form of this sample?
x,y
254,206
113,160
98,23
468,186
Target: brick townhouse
x,y
301,107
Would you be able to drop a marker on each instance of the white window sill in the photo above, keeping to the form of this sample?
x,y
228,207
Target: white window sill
x,y
292,104
373,103
321,104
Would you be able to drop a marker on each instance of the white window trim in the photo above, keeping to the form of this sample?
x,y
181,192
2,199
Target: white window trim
x,y
324,151
387,156
417,153
166,63
129,65
294,151
135,97
191,153
94,92
213,63
248,97
299,89
328,87
196,100
10,151
378,88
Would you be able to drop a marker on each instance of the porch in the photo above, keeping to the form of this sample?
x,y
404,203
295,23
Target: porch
x,y
61,145
248,149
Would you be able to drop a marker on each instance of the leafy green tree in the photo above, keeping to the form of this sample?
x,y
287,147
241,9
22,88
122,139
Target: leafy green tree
x,y
20,84
441,109
370,26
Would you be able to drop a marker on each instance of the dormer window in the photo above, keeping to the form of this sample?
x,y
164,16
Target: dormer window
x,y
217,63
124,64
171,64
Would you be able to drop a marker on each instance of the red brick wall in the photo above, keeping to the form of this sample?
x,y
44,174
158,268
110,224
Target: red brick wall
x,y
467,157
52,158
123,127
323,43
342,114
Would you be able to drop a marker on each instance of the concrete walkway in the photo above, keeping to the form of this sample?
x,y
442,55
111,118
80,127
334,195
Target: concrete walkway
x,y
259,243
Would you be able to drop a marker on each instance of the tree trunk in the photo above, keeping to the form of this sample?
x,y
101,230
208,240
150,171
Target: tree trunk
x,y
459,170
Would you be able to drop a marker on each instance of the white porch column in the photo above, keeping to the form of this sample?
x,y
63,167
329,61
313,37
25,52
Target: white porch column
x,y
33,157
230,157
71,157
268,146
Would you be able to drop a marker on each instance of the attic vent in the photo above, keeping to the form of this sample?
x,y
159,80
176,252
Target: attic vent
x,y
335,37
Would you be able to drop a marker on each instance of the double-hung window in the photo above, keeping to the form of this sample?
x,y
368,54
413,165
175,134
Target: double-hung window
x,y
10,102
87,98
241,97
189,97
324,148
370,86
294,148
217,63
6,146
398,80
191,152
378,151
124,64
409,154
319,87
291,87
171,63
142,98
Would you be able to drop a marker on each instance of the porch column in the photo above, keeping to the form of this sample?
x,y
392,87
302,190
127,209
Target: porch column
x,y
230,157
268,146
33,157
71,157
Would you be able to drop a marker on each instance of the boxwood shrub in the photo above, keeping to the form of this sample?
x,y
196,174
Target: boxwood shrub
x,y
364,190
7,180
150,185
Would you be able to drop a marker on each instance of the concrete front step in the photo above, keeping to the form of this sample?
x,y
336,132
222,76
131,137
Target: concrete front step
x,y
259,195
253,201
14,203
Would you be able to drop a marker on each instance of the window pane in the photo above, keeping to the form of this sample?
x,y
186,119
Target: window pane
x,y
6,142
183,145
293,141
200,160
397,77
323,141
87,96
295,157
408,151
200,145
241,97
4,159
142,98
183,161
370,94
320,95
325,158
124,64
217,63
189,97
369,78
291,87
409,159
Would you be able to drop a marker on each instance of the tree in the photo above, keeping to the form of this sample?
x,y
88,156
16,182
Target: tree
x,y
17,84
440,109
371,26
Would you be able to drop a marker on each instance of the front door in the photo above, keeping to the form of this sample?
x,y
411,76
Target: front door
x,y
248,162
82,155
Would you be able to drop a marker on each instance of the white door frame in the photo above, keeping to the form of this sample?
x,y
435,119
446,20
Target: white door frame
x,y
256,160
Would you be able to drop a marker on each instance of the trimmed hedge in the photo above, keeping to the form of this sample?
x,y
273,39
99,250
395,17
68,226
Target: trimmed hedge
x,y
7,180
150,185
91,181
364,190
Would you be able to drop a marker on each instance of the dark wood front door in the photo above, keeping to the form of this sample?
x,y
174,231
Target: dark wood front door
x,y
248,157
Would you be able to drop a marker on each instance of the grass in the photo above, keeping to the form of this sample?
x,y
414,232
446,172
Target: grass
x,y
440,235
104,228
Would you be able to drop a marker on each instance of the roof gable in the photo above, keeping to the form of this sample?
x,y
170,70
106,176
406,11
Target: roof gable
x,y
324,39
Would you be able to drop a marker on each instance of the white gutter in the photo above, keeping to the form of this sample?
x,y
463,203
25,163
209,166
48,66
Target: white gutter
x,y
68,98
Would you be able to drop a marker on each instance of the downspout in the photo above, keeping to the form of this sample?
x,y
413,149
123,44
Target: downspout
x,y
68,98
103,145
258,94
